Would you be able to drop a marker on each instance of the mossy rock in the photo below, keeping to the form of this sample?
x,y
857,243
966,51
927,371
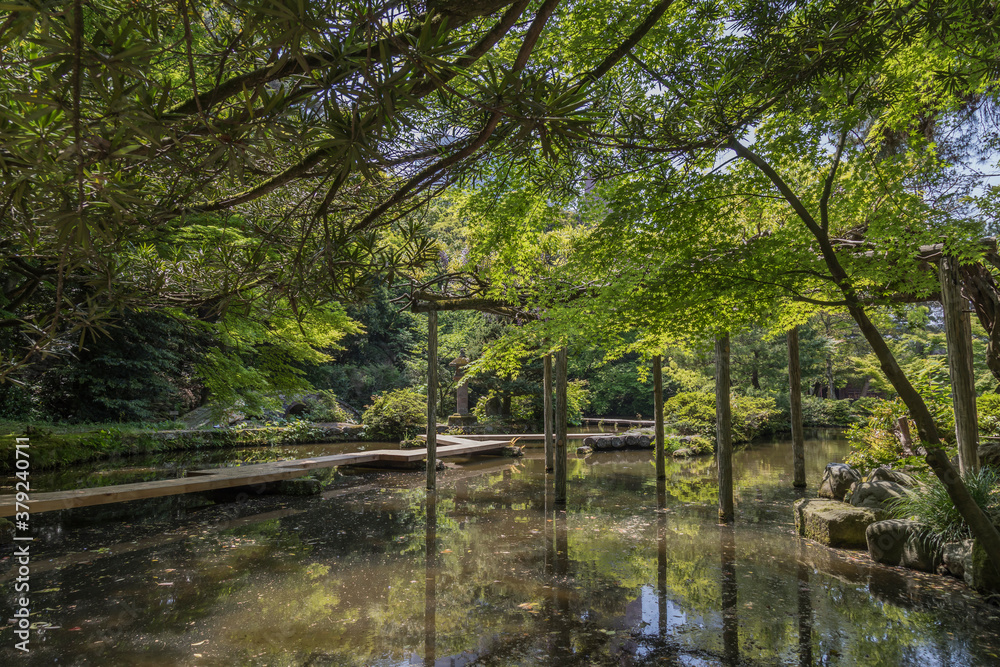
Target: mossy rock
x,y
833,523
980,573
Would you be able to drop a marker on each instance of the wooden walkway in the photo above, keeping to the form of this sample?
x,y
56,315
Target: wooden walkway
x,y
247,475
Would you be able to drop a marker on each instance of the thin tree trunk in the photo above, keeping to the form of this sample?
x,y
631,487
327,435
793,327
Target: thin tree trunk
x,y
432,372
547,408
562,414
958,333
724,429
795,409
832,390
661,463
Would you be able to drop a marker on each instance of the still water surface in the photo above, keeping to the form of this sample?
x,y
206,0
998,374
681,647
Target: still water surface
x,y
489,572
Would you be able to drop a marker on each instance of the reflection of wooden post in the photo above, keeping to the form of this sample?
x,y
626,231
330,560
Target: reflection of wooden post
x,y
432,385
661,464
795,408
562,414
661,558
563,653
805,613
958,332
724,429
730,595
547,407
430,580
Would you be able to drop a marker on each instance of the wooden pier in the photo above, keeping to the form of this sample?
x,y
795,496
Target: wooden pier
x,y
247,475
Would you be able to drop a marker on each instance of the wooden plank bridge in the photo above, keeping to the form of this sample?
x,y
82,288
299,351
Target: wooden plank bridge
x,y
248,475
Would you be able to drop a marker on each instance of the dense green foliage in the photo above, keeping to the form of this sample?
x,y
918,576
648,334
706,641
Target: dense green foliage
x,y
693,413
395,415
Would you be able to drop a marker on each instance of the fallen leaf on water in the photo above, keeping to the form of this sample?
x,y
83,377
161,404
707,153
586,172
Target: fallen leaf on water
x,y
74,629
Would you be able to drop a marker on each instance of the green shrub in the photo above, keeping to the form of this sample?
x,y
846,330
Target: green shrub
x,y
988,409
700,445
818,411
326,408
693,413
863,407
395,415
932,506
754,416
874,441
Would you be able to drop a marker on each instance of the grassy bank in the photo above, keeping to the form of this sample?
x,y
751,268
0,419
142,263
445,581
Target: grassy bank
x,y
55,446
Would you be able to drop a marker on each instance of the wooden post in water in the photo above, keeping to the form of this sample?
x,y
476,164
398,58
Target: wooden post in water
x,y
661,463
958,333
724,429
432,384
795,408
562,415
547,408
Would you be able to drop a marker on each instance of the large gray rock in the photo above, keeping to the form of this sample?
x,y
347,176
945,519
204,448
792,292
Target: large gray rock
x,y
683,453
980,573
904,543
889,475
875,495
957,557
989,453
837,479
833,522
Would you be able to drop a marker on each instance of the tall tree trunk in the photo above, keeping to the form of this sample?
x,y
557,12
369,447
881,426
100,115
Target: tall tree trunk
x,y
562,414
795,409
980,525
958,333
661,464
724,429
755,371
831,388
432,368
547,408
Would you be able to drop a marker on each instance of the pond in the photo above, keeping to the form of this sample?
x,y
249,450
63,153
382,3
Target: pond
x,y
490,572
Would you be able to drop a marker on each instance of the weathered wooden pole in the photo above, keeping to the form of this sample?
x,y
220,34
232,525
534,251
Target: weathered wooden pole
x,y
562,415
795,408
958,333
724,429
661,463
432,385
547,408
